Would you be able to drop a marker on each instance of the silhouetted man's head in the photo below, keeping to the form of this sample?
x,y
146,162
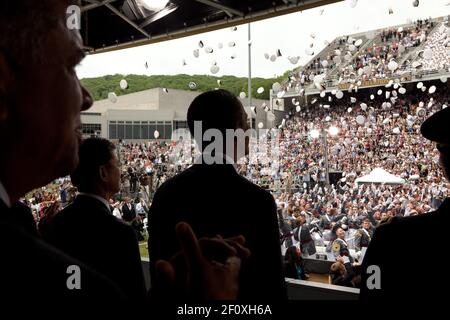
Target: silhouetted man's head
x,y
436,128
217,110
98,170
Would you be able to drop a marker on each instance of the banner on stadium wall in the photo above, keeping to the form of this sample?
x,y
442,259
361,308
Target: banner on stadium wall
x,y
368,83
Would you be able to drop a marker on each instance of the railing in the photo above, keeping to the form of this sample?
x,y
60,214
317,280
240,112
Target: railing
x,y
296,289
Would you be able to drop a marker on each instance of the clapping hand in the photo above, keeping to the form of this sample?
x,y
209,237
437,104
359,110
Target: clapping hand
x,y
49,213
205,269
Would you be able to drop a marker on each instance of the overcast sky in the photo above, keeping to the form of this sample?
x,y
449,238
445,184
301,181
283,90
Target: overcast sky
x,y
289,33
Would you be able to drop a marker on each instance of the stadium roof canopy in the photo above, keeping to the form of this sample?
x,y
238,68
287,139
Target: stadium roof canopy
x,y
108,25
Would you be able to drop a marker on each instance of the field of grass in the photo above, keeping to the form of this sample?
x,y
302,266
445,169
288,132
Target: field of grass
x,y
143,249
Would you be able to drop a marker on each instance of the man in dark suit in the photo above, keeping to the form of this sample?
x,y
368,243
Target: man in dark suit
x,y
363,235
22,215
400,242
47,136
87,230
303,235
130,215
128,210
215,199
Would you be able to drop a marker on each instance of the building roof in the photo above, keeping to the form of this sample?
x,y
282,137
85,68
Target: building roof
x,y
116,24
155,99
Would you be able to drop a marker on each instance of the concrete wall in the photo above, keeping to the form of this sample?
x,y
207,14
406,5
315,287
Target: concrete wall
x,y
177,101
153,105
296,289
144,100
140,115
91,119
307,290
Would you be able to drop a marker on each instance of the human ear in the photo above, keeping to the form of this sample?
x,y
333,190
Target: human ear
x,y
103,173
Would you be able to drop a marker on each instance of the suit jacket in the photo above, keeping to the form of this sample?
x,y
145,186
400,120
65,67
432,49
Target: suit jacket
x,y
401,247
23,217
128,214
88,231
215,199
325,221
34,273
362,238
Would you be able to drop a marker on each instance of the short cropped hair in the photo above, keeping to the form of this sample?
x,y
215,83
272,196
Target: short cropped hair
x,y
217,109
24,24
93,153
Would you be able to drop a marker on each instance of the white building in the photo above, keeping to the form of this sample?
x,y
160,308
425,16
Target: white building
x,y
138,115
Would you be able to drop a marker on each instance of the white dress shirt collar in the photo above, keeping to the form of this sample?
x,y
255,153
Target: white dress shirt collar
x,y
4,196
102,200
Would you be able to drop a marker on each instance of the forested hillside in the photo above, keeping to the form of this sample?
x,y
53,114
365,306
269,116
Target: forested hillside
x,y
100,87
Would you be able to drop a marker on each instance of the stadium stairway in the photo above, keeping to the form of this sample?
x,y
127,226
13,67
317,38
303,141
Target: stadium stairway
x,y
415,53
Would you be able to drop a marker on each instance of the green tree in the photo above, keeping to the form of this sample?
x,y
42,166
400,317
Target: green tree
x,y
101,86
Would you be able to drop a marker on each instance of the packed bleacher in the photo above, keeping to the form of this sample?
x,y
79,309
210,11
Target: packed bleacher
x,y
389,138
435,53
399,51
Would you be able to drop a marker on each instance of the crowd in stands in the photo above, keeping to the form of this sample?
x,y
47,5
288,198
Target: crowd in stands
x,y
389,138
367,57
393,45
438,43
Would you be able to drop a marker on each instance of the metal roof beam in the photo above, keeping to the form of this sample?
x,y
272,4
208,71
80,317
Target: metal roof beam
x,y
95,4
228,10
125,18
201,28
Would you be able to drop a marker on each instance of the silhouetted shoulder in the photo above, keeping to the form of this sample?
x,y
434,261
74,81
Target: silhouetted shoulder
x,y
254,187
407,226
197,174
410,223
47,280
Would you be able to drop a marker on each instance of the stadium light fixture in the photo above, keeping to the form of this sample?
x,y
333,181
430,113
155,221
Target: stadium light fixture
x,y
154,5
145,12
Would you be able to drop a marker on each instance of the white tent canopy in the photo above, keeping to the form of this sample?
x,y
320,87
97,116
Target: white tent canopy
x,y
379,175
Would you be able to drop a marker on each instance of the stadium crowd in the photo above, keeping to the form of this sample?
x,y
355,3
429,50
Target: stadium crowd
x,y
377,55
437,46
372,128
388,138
